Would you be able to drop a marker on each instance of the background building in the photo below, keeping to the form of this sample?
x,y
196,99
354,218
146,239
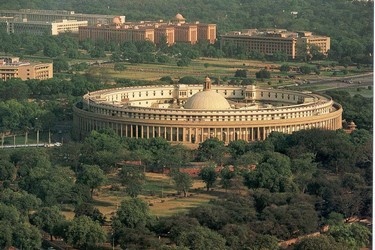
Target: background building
x,y
276,40
11,67
189,114
41,28
175,30
53,15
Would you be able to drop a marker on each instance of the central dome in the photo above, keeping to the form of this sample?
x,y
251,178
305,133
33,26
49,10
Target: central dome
x,y
208,100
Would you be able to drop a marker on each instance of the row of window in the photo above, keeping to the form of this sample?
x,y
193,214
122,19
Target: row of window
x,y
212,118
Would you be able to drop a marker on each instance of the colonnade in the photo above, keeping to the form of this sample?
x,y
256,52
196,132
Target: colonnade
x,y
85,122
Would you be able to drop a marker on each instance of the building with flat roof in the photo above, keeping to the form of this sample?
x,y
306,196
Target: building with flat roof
x,y
41,28
190,114
175,30
270,41
11,67
53,15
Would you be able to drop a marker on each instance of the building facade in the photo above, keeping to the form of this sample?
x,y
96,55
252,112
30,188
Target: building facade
x,y
42,28
11,67
188,114
53,15
269,42
175,30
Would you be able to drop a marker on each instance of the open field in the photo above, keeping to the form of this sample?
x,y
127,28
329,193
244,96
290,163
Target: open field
x,y
158,191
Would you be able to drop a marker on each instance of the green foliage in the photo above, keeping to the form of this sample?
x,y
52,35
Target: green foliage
x,y
322,242
227,177
201,238
26,236
356,108
16,231
133,177
354,235
284,68
211,216
7,170
183,182
119,67
166,79
90,211
212,150
23,201
132,214
263,74
85,233
48,219
272,173
237,148
91,176
188,80
184,62
241,73
60,64
305,69
209,176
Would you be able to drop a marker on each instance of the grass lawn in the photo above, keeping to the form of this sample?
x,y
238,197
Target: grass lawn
x,y
158,191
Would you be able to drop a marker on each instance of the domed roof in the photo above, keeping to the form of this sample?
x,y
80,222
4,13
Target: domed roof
x,y
179,17
208,100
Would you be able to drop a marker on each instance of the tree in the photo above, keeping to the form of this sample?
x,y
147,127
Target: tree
x,y
305,70
209,176
85,233
272,173
5,235
265,242
262,74
212,216
201,238
26,236
133,177
7,170
60,64
91,176
47,219
241,73
167,79
183,182
322,242
354,235
188,80
280,56
132,214
52,49
90,211
227,176
23,201
284,68
212,149
183,62
237,148
303,168
119,67
174,157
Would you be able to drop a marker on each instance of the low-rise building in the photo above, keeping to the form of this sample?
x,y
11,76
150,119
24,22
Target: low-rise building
x,y
270,41
11,67
175,30
53,15
41,28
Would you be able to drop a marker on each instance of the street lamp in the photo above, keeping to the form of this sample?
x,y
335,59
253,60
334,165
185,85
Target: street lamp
x,y
37,131
113,241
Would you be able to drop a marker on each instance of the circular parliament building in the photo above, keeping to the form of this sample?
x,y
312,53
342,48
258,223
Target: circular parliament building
x,y
190,114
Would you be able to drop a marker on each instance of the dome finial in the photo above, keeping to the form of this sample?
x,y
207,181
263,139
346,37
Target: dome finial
x,y
207,84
